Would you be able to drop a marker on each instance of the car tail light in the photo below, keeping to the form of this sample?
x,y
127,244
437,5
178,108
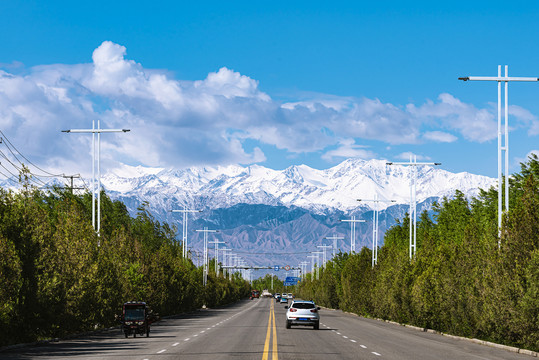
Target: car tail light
x,y
313,310
293,310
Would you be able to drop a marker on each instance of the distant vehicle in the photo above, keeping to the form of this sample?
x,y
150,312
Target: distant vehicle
x,y
290,296
136,318
283,300
277,297
266,293
255,294
304,313
284,295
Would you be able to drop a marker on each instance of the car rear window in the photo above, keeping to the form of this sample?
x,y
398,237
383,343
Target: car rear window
x,y
303,305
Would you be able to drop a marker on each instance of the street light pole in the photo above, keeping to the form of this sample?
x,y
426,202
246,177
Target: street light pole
x,y
353,222
205,266
184,227
97,131
217,242
324,247
334,238
499,79
375,227
413,202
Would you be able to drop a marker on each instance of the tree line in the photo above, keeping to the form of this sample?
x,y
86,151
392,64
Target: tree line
x,y
58,277
465,279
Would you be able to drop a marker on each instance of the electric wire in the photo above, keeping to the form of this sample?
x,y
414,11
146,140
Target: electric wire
x,y
49,174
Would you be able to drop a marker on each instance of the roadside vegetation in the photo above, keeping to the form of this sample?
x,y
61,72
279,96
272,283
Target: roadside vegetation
x,y
266,283
464,280
57,277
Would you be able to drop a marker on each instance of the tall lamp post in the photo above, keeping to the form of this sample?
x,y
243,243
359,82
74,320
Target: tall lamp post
x,y
353,222
499,79
185,211
205,261
217,242
334,238
375,227
324,247
97,131
413,202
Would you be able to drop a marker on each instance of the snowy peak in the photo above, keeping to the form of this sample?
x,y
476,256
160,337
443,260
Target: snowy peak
x,y
338,187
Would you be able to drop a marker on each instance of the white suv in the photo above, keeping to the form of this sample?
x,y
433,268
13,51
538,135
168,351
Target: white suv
x,y
302,312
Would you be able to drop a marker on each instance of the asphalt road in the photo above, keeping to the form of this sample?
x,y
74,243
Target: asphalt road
x,y
256,330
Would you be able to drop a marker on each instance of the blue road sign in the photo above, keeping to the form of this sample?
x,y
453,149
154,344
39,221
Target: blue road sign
x,y
290,283
276,268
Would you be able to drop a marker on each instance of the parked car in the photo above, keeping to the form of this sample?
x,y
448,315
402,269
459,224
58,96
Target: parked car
x,y
302,312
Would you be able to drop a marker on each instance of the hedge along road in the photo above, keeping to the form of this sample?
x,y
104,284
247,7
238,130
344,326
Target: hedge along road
x,y
255,329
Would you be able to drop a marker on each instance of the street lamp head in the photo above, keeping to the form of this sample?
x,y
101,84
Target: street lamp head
x,y
66,131
437,163
389,163
466,78
126,130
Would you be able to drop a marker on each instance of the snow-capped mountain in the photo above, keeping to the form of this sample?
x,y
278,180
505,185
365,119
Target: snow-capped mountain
x,y
275,217
318,191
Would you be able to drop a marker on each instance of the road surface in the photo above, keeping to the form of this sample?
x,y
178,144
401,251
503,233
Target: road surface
x,y
255,329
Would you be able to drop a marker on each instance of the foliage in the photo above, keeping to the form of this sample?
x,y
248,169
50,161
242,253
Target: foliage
x,y
465,279
58,277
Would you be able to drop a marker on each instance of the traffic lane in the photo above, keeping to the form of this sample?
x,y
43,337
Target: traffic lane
x,y
302,342
241,337
112,343
393,341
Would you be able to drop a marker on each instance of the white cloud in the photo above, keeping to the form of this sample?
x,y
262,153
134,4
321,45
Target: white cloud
x,y
183,123
406,156
348,149
439,136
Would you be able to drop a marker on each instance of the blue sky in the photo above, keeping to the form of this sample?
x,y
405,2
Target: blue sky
x,y
272,83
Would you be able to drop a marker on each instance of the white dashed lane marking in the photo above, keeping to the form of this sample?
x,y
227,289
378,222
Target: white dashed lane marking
x,y
375,353
161,351
363,346
175,344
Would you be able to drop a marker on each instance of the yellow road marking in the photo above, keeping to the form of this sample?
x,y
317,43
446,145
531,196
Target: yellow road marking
x,y
274,355
274,351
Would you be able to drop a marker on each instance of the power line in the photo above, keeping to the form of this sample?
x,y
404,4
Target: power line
x,y
49,174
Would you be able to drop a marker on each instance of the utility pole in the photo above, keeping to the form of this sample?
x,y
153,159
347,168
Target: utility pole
x,y
505,137
317,254
205,256
97,131
185,211
217,242
353,222
413,202
225,261
334,238
72,186
324,247
375,226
